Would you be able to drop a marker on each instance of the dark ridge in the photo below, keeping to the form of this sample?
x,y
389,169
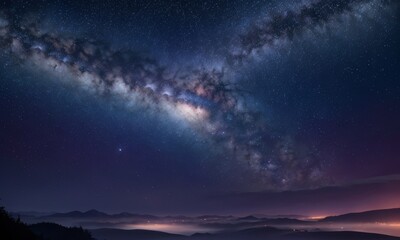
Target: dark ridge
x,y
53,231
120,234
13,228
384,215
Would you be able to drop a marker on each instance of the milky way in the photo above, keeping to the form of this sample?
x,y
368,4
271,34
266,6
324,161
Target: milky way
x,y
207,100
286,25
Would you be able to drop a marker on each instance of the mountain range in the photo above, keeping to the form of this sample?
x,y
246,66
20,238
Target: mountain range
x,y
124,226
382,215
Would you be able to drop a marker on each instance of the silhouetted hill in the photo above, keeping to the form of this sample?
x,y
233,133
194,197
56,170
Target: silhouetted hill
x,y
14,229
256,233
198,235
384,215
264,233
248,218
120,234
52,231
78,214
334,236
268,233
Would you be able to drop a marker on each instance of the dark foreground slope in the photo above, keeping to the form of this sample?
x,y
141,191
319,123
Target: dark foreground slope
x,y
11,228
55,231
14,229
120,234
266,233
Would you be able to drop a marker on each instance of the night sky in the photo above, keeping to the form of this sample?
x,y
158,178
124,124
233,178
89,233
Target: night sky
x,y
167,107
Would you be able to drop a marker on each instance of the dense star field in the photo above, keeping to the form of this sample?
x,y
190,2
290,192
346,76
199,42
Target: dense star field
x,y
163,106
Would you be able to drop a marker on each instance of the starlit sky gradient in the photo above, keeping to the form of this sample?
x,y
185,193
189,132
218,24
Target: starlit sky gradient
x,y
200,107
